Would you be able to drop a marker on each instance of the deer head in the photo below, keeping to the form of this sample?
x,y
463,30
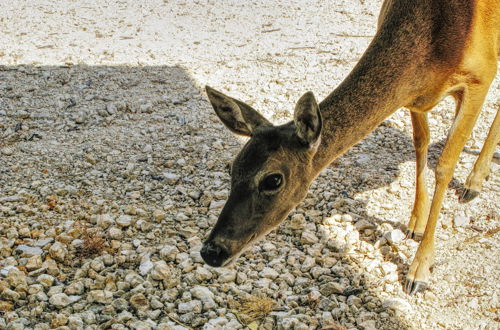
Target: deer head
x,y
269,177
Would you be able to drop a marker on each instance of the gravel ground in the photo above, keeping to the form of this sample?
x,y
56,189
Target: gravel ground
x,y
114,168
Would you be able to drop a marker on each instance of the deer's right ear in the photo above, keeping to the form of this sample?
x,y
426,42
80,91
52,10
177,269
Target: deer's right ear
x,y
239,117
308,122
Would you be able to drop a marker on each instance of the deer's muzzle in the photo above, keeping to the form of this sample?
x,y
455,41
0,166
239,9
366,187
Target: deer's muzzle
x,y
214,254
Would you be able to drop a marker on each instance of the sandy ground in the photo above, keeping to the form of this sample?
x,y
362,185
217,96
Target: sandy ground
x,y
266,53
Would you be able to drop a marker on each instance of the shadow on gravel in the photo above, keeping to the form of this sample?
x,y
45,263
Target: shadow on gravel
x,y
133,140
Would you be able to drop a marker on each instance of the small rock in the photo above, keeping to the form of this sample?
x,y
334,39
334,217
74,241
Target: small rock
x,y
16,277
227,275
161,271
171,178
29,251
388,267
58,251
100,296
43,242
45,280
115,233
169,252
397,304
364,224
7,151
159,215
97,265
35,262
201,292
429,296
202,274
104,220
268,272
461,220
395,236
297,221
309,262
214,205
354,301
190,306
308,237
61,300
75,288
124,221
139,301
145,266
330,288
9,294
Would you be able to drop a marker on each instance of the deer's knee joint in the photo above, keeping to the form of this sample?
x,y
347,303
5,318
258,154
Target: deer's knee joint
x,y
421,142
443,174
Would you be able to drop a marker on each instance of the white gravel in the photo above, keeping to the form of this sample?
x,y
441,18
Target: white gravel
x,y
113,168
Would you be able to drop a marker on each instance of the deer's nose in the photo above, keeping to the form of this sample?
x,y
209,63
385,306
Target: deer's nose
x,y
214,254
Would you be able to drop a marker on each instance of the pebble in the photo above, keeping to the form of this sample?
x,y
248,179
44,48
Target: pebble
x,y
461,220
309,238
397,304
268,272
104,220
297,221
139,301
161,271
58,251
115,233
45,280
171,178
227,275
159,215
169,252
7,151
100,296
201,292
395,236
124,221
194,306
29,251
61,300
145,266
330,288
364,224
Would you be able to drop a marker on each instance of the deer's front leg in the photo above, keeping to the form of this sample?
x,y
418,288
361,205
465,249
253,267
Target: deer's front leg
x,y
420,212
419,272
482,166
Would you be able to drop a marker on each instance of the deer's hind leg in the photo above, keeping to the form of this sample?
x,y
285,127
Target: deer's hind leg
x,y
472,100
420,212
482,166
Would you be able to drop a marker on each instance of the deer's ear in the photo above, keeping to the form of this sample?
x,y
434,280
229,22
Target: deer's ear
x,y
308,122
239,117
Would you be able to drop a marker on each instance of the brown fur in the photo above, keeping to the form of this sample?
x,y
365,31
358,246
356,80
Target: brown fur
x,y
423,51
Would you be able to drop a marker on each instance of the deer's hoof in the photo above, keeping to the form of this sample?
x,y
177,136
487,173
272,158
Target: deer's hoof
x,y
411,286
468,195
414,235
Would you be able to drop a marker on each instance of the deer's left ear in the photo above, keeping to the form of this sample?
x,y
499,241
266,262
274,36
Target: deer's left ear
x,y
308,122
238,116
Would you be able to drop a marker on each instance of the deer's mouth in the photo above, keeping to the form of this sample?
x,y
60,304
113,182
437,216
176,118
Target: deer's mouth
x,y
232,259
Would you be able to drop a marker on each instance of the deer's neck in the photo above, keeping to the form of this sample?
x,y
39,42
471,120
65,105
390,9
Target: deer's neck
x,y
378,85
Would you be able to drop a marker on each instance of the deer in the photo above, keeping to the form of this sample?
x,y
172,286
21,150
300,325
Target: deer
x,y
422,51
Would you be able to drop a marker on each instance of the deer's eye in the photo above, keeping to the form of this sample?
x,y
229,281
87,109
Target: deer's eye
x,y
271,182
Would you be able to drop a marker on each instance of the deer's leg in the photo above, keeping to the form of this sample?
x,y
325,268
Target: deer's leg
x,y
482,166
420,212
473,97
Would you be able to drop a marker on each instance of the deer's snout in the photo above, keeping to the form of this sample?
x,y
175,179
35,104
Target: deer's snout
x,y
214,254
